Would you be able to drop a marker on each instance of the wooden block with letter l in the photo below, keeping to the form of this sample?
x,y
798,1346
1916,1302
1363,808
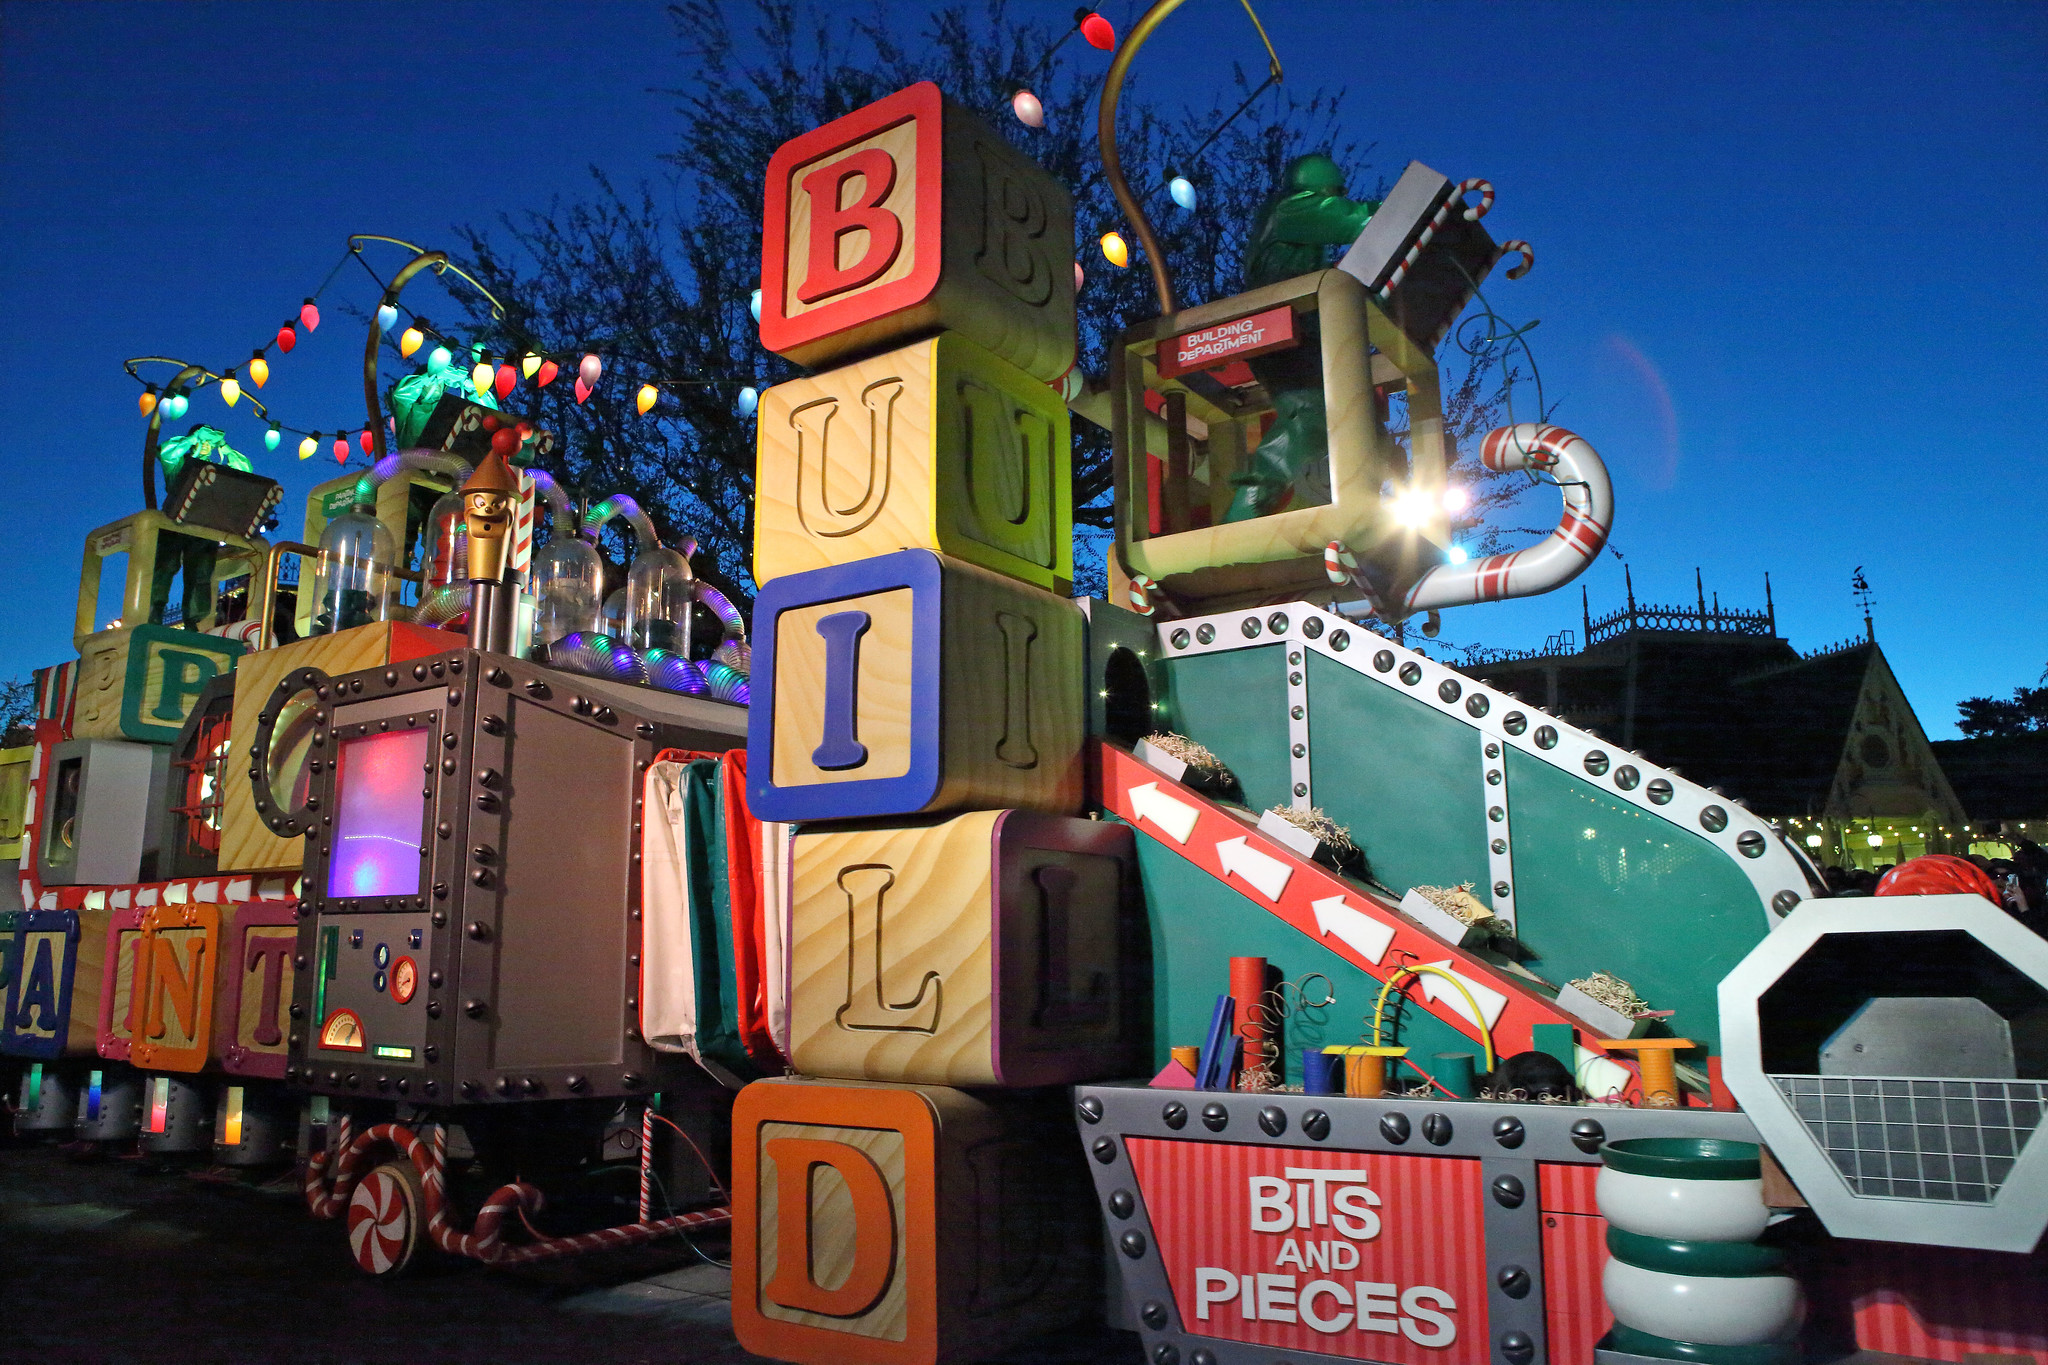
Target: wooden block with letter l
x,y
994,948
912,216
939,445
912,684
905,1225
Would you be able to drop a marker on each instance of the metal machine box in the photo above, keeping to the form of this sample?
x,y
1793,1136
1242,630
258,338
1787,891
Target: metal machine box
x,y
470,924
105,812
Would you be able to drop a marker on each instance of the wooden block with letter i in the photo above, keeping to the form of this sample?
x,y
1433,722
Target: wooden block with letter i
x,y
905,1225
912,684
912,216
995,948
939,445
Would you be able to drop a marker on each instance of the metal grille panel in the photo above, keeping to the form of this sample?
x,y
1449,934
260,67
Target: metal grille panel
x,y
1901,1137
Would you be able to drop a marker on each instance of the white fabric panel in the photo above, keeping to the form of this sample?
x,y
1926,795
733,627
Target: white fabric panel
x,y
668,972
776,872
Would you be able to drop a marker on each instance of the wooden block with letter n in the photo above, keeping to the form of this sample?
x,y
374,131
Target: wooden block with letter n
x,y
995,948
177,965
905,1225
912,216
939,445
912,684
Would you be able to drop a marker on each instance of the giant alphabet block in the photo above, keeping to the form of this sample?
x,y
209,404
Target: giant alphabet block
x,y
911,216
178,966
255,989
139,682
990,949
904,1225
912,684
50,1006
938,445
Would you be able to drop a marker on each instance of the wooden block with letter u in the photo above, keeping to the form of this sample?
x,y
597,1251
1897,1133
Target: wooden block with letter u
x,y
907,217
939,444
995,948
912,684
905,1225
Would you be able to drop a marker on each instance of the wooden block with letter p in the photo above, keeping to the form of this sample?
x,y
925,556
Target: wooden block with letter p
x,y
995,948
939,445
912,216
905,1225
912,684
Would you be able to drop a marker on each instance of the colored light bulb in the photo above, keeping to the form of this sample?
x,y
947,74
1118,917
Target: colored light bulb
x,y
341,450
1099,32
365,440
410,340
749,400
1028,110
583,391
1080,277
1455,499
175,405
309,314
754,305
504,380
1114,251
387,317
231,389
1183,192
528,364
481,377
307,447
548,371
439,359
646,398
272,437
259,369
590,369
146,400
287,338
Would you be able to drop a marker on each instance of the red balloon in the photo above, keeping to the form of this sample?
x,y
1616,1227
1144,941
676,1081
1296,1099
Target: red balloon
x,y
287,338
1938,874
546,374
505,441
1098,31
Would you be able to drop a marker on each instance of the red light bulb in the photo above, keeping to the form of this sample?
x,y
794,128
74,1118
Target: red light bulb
x,y
548,371
507,377
309,312
287,338
1098,31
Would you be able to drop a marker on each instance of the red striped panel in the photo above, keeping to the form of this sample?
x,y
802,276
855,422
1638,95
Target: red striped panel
x,y
1431,1237
1562,1187
1574,1307
1938,1303
1582,534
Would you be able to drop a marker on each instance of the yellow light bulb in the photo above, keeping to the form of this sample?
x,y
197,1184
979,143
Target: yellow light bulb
x,y
410,340
1114,251
481,377
646,398
528,364
231,390
306,448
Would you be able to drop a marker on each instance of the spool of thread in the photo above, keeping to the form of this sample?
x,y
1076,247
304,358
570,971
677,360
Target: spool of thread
x,y
1189,1057
1453,1071
1322,1073
1248,988
1365,1073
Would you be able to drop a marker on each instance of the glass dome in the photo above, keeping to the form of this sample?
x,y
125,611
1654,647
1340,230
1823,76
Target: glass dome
x,y
447,549
352,584
660,590
568,589
612,620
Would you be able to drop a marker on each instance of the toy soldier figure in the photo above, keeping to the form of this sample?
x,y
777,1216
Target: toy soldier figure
x,y
1304,217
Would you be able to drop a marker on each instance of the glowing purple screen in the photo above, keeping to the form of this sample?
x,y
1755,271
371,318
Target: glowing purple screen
x,y
382,794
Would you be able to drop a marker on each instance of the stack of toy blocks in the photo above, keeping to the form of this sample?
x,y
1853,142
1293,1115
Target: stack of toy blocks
x,y
959,936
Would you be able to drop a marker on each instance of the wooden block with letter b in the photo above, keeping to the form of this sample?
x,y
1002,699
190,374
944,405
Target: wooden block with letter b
x,y
905,1225
912,216
939,445
995,948
912,684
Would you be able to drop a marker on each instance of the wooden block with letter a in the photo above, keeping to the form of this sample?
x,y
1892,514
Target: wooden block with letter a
x,y
912,216
912,684
939,444
52,988
995,948
905,1225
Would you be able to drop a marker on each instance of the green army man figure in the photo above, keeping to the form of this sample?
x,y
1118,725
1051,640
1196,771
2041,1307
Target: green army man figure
x,y
1304,217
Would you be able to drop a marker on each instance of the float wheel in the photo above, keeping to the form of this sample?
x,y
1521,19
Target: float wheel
x,y
387,1219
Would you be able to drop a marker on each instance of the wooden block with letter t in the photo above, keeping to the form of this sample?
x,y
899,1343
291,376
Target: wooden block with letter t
x,y
994,948
912,684
905,1225
939,445
912,216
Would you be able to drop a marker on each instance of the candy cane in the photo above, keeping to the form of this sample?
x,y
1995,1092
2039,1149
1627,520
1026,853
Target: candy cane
x,y
1528,257
1474,212
1140,594
1558,558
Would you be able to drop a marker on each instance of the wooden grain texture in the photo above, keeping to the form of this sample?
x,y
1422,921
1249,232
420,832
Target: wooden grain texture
x,y
1013,716
102,678
256,946
984,241
831,1238
883,689
121,988
88,972
940,445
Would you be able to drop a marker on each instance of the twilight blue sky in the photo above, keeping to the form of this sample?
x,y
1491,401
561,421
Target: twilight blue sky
x,y
1789,272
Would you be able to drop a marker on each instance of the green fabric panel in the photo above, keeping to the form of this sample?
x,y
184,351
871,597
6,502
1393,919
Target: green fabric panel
x,y
1236,705
1198,924
718,1032
1603,885
1403,777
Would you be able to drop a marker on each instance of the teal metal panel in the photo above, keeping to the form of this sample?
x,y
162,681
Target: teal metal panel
x,y
1403,777
1198,924
1603,885
1235,703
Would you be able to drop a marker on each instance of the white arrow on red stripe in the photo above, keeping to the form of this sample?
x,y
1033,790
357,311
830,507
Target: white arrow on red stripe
x,y
1177,818
1266,874
1357,930
1490,1001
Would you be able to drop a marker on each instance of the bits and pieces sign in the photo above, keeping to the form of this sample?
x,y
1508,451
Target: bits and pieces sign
x,y
1363,1255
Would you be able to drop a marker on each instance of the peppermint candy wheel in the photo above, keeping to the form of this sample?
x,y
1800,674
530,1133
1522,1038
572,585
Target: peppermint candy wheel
x,y
384,1220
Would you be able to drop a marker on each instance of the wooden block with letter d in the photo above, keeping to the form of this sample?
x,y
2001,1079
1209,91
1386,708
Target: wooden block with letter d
x,y
905,1225
912,216
939,445
912,684
994,948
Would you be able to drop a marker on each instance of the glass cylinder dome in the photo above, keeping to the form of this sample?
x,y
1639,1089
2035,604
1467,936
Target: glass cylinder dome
x,y
660,590
447,548
352,585
612,619
568,589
